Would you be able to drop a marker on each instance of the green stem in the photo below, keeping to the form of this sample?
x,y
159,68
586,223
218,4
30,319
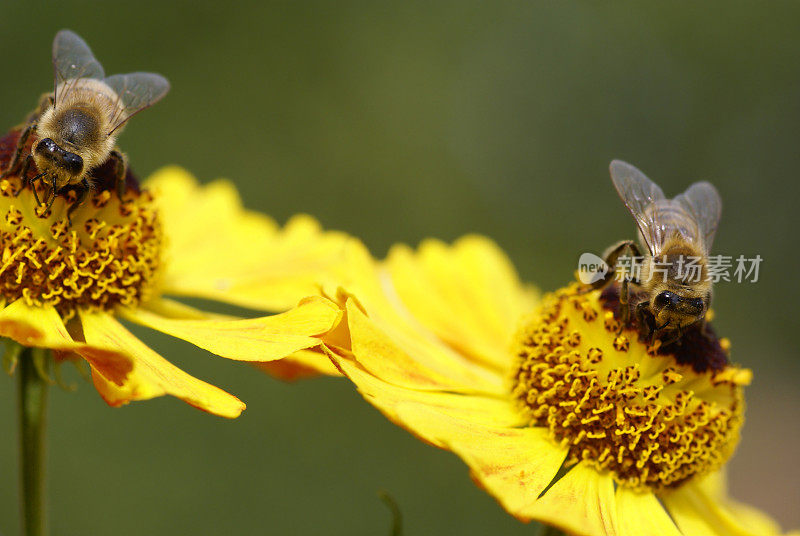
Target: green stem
x,y
32,419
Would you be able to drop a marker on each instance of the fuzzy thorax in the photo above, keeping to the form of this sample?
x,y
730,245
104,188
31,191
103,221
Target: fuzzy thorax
x,y
81,121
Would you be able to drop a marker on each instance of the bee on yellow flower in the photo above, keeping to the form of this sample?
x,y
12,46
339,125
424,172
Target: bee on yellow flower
x,y
83,245
75,263
561,412
64,287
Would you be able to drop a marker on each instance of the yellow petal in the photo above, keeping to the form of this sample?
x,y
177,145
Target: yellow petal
x,y
406,357
439,418
257,339
179,195
641,513
394,344
151,376
219,250
701,508
752,518
42,327
468,294
513,463
582,502
302,364
35,326
715,487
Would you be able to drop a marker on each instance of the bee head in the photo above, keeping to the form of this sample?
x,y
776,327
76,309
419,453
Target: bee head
x,y
49,155
679,310
665,300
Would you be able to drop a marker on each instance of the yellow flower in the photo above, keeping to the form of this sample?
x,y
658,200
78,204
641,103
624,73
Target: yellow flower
x,y
63,287
562,416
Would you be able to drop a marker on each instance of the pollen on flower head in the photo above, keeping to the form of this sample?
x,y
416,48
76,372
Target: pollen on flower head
x,y
622,404
109,256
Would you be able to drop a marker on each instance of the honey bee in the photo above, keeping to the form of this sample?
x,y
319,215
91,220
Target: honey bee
x,y
76,126
672,290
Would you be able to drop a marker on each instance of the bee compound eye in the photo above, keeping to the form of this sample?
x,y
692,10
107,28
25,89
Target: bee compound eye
x,y
73,163
665,299
696,304
46,147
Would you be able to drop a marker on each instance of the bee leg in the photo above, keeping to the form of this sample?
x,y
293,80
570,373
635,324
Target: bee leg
x,y
33,182
612,255
82,191
675,339
32,122
23,139
645,320
611,258
23,173
120,171
52,198
626,309
45,102
53,193
624,300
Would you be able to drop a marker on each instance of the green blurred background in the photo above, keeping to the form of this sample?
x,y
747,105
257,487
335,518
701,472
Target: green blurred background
x,y
397,121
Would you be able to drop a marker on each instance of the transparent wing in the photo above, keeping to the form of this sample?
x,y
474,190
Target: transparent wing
x,y
136,92
638,193
72,60
702,201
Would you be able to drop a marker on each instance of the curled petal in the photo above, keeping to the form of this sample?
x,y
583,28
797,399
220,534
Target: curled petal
x,y
409,359
152,375
42,327
258,339
299,365
35,326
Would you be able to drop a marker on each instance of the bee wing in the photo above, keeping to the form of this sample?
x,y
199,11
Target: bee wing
x,y
702,201
136,92
72,60
638,192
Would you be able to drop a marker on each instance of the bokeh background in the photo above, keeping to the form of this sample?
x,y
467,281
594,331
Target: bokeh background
x,y
397,121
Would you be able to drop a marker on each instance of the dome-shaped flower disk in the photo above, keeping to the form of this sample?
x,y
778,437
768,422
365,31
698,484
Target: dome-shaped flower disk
x,y
65,285
561,415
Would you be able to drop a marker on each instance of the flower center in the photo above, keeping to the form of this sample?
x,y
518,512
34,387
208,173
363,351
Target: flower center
x,y
620,404
109,256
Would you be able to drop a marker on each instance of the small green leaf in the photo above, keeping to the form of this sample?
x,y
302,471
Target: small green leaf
x,y
60,379
41,361
397,516
11,356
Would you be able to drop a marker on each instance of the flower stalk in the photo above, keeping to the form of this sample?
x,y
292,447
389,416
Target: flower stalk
x,y
32,407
